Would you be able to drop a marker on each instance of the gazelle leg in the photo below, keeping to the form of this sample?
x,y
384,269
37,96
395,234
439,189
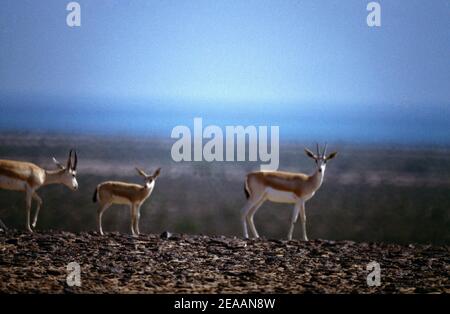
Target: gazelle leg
x,y
294,218
100,211
3,226
244,212
133,218
251,202
39,204
138,217
303,220
251,214
28,198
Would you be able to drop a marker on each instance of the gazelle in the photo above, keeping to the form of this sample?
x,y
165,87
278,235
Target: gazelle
x,y
283,187
27,177
134,195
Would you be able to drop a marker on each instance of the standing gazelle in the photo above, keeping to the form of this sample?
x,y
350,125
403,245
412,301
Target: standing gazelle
x,y
283,187
27,177
134,195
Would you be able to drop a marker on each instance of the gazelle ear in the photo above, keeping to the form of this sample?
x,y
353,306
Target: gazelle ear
x,y
57,163
310,154
156,173
75,161
332,155
69,160
142,173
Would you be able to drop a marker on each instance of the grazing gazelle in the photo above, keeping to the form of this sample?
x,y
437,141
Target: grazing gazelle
x,y
134,195
283,187
27,177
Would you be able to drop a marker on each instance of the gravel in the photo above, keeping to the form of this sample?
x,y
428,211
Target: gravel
x,y
178,263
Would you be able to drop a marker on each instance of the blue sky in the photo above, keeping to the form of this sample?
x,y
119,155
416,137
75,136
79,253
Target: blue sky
x,y
306,57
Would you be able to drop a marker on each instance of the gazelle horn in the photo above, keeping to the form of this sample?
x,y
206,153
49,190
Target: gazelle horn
x,y
325,150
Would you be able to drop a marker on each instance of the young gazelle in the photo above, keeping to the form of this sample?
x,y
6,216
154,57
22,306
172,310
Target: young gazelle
x,y
283,187
134,195
27,177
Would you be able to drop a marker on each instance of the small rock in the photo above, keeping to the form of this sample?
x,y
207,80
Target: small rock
x,y
165,235
12,241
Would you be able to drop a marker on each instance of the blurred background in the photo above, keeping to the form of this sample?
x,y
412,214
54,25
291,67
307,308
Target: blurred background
x,y
116,86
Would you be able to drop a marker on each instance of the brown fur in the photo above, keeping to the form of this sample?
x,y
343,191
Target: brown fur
x,y
23,171
133,192
283,181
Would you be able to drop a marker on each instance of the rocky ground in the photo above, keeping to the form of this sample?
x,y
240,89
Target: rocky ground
x,y
118,263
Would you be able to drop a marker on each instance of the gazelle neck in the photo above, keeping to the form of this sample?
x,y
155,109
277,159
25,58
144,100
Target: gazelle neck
x,y
149,186
52,176
317,177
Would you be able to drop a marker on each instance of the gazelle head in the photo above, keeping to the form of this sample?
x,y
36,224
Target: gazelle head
x,y
149,179
320,158
68,173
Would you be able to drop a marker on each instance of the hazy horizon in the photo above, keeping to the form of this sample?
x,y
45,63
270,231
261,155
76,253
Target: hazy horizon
x,y
372,125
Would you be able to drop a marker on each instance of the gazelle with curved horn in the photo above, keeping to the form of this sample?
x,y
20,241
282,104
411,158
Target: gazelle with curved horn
x,y
283,187
27,177
134,195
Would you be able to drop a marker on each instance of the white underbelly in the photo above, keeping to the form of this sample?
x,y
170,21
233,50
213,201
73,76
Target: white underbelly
x,y
8,183
120,200
280,196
